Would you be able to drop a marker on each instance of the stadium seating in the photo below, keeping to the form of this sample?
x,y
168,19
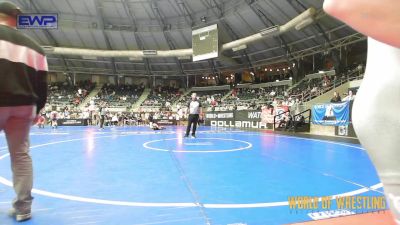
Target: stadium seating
x,y
163,100
118,96
207,98
62,94
162,97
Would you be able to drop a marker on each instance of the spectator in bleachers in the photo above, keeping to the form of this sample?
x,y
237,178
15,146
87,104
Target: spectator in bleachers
x,y
314,90
162,97
336,98
66,113
349,97
114,119
63,94
119,95
86,115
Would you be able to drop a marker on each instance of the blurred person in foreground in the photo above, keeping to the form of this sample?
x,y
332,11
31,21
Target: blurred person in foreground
x,y
375,109
23,93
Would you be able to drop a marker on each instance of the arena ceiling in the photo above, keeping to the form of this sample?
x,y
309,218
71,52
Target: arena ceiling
x,y
167,24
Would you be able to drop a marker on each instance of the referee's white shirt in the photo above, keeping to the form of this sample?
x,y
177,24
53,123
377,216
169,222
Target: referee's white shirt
x,y
194,107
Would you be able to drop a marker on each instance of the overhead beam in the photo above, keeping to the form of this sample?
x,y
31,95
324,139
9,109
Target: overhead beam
x,y
259,11
316,25
161,20
267,33
101,22
218,11
183,8
48,35
337,44
188,13
253,53
136,35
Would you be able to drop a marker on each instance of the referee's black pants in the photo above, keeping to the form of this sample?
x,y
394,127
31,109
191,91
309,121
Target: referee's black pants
x,y
193,119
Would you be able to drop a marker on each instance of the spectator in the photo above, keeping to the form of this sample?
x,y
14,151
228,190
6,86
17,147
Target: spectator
x,y
114,119
54,118
336,98
349,97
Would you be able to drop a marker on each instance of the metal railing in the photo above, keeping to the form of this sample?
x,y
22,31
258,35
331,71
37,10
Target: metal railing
x,y
280,114
353,75
295,121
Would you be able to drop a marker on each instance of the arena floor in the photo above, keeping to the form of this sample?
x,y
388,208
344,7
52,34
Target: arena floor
x,y
133,175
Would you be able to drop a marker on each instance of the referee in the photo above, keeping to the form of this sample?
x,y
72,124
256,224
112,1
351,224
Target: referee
x,y
23,93
194,110
102,112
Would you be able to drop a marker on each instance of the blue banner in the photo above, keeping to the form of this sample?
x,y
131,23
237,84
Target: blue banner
x,y
331,114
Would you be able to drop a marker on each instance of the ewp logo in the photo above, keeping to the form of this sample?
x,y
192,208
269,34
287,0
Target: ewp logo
x,y
37,21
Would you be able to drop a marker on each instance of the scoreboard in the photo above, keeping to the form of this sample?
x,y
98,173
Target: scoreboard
x,y
205,43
